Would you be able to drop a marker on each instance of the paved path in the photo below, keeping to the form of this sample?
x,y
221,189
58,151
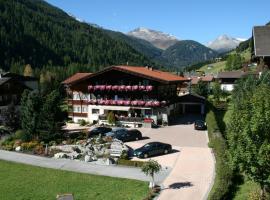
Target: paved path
x,y
79,166
191,176
193,166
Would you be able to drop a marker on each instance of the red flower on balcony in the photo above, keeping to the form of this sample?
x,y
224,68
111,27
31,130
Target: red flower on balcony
x,y
102,87
120,102
121,88
96,87
127,103
149,88
107,102
134,103
113,102
156,103
141,103
108,87
90,87
128,88
135,87
141,87
115,88
148,103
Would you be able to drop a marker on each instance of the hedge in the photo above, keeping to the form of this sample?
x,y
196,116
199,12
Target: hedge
x,y
130,162
224,174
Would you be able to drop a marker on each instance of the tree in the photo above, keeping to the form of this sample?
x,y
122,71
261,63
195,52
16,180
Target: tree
x,y
51,115
31,104
28,71
151,167
11,117
234,62
201,88
249,132
111,118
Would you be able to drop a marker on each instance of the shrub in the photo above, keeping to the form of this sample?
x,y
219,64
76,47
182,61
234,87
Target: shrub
x,y
224,173
82,122
22,135
39,150
29,146
124,155
130,163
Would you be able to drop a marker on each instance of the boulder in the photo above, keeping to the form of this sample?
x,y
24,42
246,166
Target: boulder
x,y
19,148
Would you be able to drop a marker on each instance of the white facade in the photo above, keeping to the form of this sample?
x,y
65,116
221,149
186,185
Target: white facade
x,y
227,87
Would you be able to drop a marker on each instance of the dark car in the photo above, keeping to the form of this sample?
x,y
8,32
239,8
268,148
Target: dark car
x,y
125,135
153,149
99,131
200,125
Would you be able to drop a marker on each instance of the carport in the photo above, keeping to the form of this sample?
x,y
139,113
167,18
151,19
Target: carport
x,y
191,103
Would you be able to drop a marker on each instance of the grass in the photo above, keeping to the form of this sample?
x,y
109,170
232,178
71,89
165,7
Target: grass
x,y
245,189
215,67
25,182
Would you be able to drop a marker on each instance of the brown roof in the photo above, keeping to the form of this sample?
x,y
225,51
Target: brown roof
x,y
196,79
76,77
151,73
231,74
261,35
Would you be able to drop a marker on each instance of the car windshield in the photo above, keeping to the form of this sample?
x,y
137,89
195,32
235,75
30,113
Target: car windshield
x,y
147,146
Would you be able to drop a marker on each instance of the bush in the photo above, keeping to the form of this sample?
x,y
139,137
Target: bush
x,y
224,173
29,146
124,155
82,122
22,135
130,163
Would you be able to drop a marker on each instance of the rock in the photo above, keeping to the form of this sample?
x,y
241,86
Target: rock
x,y
87,158
19,148
60,155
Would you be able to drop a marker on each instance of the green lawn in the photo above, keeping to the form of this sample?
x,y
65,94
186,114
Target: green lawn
x,y
245,189
213,68
25,182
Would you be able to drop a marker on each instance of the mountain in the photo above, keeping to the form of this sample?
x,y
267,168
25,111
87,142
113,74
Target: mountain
x,y
37,33
187,52
142,46
158,39
224,43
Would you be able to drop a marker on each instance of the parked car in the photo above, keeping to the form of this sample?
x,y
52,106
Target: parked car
x,y
153,149
200,125
125,135
99,131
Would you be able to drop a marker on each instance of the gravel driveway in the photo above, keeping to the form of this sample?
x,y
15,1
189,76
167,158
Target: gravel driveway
x,y
192,162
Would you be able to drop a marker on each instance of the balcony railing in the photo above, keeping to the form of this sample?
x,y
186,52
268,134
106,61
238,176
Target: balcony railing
x,y
125,119
120,88
149,103
75,114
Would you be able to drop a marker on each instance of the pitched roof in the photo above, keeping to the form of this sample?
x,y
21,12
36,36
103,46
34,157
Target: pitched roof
x,y
196,79
151,73
231,74
76,77
19,77
261,35
4,80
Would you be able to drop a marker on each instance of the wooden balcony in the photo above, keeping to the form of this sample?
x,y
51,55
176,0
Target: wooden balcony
x,y
75,114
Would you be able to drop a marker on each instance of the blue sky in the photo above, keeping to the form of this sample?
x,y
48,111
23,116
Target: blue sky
x,y
200,20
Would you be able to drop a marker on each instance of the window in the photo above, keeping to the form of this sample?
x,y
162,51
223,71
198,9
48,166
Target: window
x,y
77,109
95,111
84,109
145,82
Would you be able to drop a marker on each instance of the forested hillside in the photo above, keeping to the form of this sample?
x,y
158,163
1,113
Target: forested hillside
x,y
36,33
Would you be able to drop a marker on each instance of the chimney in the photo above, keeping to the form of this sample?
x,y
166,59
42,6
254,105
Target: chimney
x,y
146,67
151,68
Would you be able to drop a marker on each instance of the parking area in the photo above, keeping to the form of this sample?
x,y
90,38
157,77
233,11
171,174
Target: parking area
x,y
191,162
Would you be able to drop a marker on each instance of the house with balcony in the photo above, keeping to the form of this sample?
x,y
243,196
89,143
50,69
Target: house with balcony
x,y
136,95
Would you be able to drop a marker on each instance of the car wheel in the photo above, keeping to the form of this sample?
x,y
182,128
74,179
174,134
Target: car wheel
x,y
166,151
145,155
